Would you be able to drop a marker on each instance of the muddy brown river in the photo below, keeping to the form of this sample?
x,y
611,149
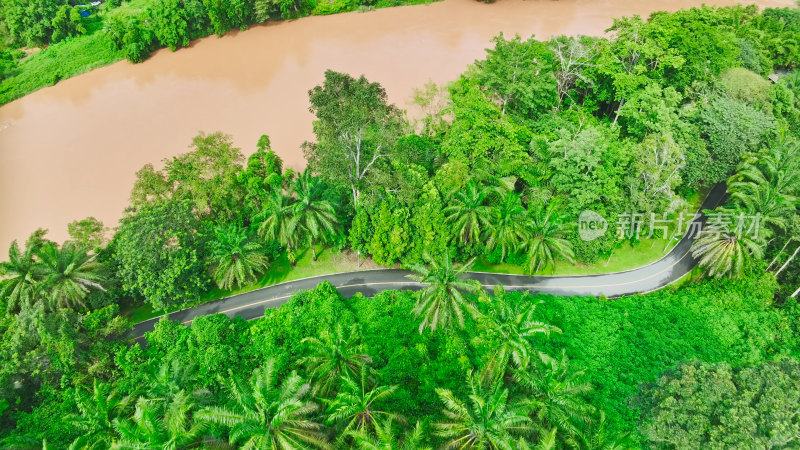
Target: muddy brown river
x,y
71,150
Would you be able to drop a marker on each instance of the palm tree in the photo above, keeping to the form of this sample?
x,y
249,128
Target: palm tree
x,y
547,441
20,274
723,249
507,229
69,273
150,428
508,328
487,421
467,213
768,183
597,436
332,357
441,302
555,397
545,240
313,218
774,207
778,167
266,415
386,438
274,219
96,413
238,258
355,404
170,380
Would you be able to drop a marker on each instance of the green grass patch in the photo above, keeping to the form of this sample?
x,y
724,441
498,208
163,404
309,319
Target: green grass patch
x,y
625,257
57,62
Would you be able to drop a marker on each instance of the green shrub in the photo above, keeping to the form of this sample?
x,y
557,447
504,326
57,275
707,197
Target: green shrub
x,y
746,86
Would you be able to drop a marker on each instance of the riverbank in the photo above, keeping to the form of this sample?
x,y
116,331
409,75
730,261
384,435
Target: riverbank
x,y
92,50
104,125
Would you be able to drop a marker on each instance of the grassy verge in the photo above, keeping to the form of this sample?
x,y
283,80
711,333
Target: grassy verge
x,y
328,262
624,258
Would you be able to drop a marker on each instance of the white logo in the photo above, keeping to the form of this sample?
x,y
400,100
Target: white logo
x,y
591,225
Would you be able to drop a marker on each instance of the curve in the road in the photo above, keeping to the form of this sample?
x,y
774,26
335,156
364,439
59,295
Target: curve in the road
x,y
674,265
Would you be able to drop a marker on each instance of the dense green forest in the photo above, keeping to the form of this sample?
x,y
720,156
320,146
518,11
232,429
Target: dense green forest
x,y
498,170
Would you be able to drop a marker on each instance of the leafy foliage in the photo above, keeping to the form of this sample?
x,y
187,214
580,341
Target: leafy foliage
x,y
158,252
715,405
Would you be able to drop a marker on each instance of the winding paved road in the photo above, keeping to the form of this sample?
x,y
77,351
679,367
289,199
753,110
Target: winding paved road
x,y
675,264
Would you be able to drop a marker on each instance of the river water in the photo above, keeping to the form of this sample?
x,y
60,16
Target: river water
x,y
71,150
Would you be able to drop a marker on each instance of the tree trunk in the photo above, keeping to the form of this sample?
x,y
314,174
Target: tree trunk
x,y
775,259
619,108
787,261
314,250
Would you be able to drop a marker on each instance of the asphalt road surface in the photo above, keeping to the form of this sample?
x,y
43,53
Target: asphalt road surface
x,y
675,264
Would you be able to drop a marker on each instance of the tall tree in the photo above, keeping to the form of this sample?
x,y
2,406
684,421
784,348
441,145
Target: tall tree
x,y
468,214
572,57
518,76
89,233
357,404
733,129
723,249
97,410
238,258
30,22
507,225
69,273
67,23
262,177
313,216
207,175
655,173
157,249
355,127
544,239
267,414
441,302
332,356
20,274
506,331
488,420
